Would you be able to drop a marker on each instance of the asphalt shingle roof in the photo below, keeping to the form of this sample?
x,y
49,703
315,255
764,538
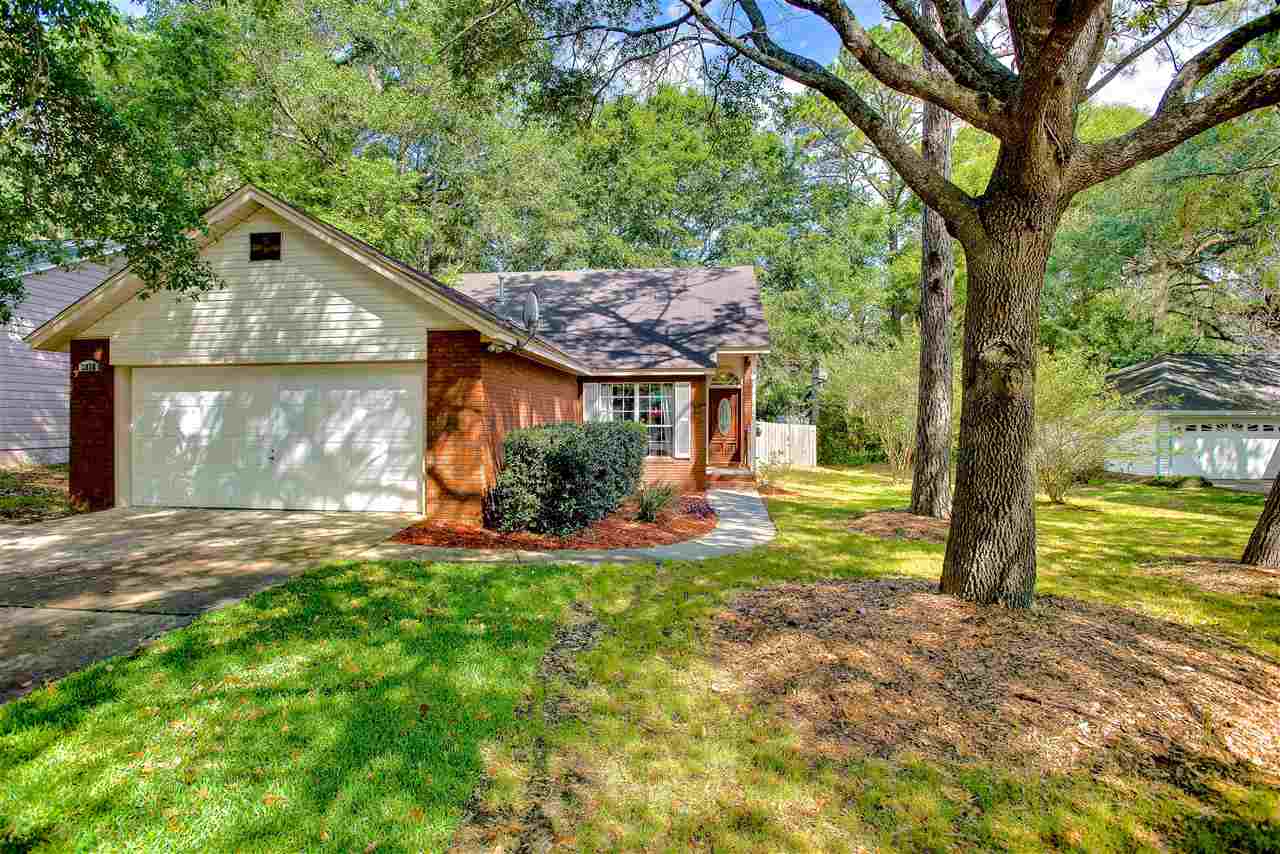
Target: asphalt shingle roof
x,y
669,319
1195,381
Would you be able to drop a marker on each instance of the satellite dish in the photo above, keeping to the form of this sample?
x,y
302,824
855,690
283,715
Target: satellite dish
x,y
532,314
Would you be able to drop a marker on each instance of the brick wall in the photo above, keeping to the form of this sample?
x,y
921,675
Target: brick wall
x,y
474,398
688,475
92,454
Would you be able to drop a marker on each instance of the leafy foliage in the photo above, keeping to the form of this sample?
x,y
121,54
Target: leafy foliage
x,y
559,478
878,386
73,166
652,499
1080,422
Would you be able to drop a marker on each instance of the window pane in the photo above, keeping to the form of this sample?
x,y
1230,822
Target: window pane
x,y
624,402
657,402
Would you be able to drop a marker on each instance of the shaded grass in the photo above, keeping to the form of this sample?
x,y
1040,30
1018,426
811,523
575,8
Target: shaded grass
x,y
35,494
346,708
363,703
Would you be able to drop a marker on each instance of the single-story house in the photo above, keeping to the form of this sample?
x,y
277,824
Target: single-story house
x,y
1213,416
34,390
327,375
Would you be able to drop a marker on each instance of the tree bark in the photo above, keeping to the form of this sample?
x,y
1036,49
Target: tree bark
x,y
991,552
1264,543
931,464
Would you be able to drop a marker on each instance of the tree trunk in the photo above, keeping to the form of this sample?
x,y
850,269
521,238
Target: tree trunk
x,y
991,552
1264,543
931,464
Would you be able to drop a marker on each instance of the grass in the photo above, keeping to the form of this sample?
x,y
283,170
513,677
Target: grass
x,y
34,494
387,702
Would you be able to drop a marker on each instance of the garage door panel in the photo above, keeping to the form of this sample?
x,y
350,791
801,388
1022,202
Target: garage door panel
x,y
1244,450
290,437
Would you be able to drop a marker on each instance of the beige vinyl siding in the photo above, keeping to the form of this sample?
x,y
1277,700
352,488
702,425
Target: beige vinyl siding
x,y
313,305
34,390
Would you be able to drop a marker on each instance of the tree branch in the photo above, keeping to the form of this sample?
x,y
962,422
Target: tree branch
x,y
936,191
1041,76
977,108
964,69
962,35
1170,126
1139,51
1204,62
980,14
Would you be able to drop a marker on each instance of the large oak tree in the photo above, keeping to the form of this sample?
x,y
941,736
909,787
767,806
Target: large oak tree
x,y
1060,52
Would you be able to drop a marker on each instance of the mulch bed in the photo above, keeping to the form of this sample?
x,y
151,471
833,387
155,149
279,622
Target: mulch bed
x,y
901,525
1218,575
620,530
890,667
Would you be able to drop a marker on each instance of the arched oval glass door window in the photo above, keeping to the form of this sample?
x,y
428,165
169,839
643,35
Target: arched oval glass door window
x,y
725,416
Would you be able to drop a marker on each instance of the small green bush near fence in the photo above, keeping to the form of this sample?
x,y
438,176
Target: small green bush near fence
x,y
559,478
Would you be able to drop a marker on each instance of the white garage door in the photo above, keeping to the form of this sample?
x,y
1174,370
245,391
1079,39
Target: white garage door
x,y
1231,450
311,437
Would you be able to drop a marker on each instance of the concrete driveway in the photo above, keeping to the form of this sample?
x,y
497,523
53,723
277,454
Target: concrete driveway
x,y
87,587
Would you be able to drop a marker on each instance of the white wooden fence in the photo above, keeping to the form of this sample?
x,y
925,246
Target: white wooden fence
x,y
796,444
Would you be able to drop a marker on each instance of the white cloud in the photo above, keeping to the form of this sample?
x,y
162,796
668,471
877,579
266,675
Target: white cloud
x,y
1143,86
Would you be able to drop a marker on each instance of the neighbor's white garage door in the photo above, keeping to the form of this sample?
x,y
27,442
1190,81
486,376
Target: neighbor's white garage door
x,y
1231,450
311,437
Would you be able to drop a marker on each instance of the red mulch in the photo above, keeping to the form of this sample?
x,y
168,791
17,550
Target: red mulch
x,y
901,525
620,530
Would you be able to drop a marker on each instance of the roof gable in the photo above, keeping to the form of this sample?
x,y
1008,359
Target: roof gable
x,y
1198,382
116,290
635,320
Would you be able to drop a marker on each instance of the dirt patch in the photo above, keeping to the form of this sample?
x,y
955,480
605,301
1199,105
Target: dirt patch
x,y
30,494
887,667
901,525
621,530
1217,575
774,489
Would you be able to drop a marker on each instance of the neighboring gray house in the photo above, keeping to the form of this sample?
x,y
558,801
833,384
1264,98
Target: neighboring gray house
x,y
1213,416
34,385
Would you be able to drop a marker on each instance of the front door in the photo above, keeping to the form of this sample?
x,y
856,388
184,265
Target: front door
x,y
723,450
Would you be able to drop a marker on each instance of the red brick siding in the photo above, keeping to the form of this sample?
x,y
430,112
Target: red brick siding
x,y
688,475
474,398
93,449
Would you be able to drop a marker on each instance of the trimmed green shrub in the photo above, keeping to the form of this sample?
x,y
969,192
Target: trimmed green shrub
x,y
559,478
1187,481
652,500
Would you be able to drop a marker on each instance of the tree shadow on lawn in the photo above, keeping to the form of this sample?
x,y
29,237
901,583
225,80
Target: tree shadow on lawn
x,y
347,707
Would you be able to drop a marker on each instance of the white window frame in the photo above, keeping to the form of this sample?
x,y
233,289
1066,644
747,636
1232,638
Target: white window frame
x,y
635,412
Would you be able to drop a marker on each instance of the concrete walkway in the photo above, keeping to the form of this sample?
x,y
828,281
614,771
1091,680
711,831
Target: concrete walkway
x,y
744,524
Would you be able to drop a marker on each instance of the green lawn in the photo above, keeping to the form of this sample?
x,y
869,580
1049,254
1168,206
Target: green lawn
x,y
404,705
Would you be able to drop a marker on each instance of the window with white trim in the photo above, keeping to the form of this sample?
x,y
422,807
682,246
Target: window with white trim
x,y
650,404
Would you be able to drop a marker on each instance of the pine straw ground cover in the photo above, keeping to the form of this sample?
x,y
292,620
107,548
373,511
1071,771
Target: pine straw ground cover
x,y
688,518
